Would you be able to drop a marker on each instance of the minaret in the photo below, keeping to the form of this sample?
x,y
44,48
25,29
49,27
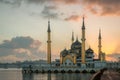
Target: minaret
x,y
49,44
76,38
72,37
83,42
99,46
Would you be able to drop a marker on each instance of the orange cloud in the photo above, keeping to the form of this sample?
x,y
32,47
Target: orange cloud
x,y
73,18
67,1
103,7
112,57
99,7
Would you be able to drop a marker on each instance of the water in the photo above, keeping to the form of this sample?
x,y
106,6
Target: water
x,y
16,74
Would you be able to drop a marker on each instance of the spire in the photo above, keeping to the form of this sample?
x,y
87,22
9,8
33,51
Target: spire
x,y
99,46
99,33
77,38
72,37
83,24
48,27
89,47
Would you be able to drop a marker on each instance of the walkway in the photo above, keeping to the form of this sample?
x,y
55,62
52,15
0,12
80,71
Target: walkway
x,y
110,75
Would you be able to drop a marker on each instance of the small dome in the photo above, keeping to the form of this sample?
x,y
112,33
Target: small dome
x,y
76,45
64,53
89,51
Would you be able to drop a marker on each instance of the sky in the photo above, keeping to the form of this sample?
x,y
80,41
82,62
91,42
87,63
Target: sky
x,y
24,23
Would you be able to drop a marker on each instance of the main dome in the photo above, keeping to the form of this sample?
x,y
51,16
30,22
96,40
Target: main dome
x,y
76,45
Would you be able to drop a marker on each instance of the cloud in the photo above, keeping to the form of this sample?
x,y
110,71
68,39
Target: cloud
x,y
49,12
73,18
20,48
15,3
17,42
103,7
67,1
36,1
98,7
113,56
19,2
22,51
9,58
54,1
41,8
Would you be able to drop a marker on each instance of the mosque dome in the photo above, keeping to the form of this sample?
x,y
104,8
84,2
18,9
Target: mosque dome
x,y
89,51
64,53
76,45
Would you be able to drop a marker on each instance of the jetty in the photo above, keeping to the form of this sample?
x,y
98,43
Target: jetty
x,y
50,69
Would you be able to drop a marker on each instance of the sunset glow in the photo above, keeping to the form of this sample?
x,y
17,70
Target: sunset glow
x,y
23,27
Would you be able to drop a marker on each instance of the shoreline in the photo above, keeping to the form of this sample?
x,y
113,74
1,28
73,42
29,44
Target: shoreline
x,y
106,74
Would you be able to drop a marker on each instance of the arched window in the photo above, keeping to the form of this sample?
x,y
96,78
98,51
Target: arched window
x,y
69,63
65,63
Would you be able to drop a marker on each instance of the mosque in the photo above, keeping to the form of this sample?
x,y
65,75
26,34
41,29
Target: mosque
x,y
78,55
75,59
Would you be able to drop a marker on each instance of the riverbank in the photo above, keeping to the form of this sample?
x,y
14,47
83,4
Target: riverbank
x,y
110,75
106,75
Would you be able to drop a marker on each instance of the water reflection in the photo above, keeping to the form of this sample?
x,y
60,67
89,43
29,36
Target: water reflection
x,y
11,74
72,76
58,76
28,77
49,76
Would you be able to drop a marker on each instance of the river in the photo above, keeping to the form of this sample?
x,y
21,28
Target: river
x,y
16,74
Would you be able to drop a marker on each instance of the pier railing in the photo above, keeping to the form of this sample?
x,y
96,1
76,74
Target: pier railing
x,y
59,69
